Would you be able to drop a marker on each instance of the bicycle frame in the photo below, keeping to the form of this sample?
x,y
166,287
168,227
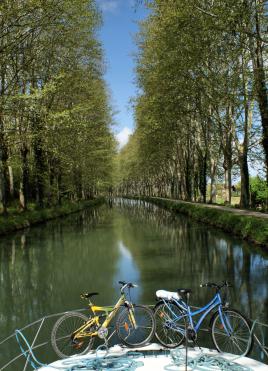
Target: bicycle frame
x,y
187,312
110,312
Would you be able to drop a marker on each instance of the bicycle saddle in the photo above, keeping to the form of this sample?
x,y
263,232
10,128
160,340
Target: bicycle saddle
x,y
184,291
88,295
167,295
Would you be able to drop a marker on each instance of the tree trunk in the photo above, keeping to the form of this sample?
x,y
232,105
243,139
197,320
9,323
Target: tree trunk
x,y
188,179
244,200
24,184
11,182
213,191
260,84
228,152
243,155
39,160
78,183
227,181
203,176
263,106
60,187
4,174
188,186
4,180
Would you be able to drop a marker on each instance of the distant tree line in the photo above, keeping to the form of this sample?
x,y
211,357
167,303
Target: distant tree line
x,y
55,136
202,108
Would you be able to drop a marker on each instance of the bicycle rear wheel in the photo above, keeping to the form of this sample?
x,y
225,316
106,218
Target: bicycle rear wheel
x,y
61,335
135,326
238,340
170,328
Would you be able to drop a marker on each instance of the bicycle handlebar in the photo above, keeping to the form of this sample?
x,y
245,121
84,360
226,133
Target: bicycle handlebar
x,y
215,285
125,285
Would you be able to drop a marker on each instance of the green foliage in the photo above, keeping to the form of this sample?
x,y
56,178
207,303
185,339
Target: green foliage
x,y
196,101
259,192
55,111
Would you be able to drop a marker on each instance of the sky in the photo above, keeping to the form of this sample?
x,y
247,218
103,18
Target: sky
x,y
119,27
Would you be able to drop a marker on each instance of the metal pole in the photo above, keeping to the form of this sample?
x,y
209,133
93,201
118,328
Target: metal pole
x,y
34,340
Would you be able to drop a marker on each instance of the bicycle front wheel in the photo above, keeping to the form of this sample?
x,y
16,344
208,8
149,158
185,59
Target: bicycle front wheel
x,y
231,333
170,325
61,335
135,326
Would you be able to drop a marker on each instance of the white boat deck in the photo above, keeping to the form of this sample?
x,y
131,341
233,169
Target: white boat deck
x,y
155,359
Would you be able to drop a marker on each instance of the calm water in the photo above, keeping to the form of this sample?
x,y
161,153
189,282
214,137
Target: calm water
x,y
44,269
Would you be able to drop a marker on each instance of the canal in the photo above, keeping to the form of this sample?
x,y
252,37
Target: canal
x,y
44,269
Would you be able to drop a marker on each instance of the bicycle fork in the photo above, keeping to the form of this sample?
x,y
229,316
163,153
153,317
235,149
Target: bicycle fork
x,y
130,316
225,322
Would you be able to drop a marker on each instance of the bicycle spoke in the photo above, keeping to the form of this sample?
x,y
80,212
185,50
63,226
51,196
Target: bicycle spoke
x,y
238,340
169,325
62,332
139,332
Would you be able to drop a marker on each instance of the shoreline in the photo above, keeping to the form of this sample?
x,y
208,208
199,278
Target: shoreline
x,y
242,223
15,222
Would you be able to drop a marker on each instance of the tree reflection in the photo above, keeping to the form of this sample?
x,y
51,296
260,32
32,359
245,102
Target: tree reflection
x,y
44,269
173,251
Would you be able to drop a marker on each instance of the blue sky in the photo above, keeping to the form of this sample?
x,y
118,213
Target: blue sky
x,y
119,26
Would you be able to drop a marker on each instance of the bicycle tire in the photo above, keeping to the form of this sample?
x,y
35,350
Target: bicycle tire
x,y
240,342
136,337
61,335
165,334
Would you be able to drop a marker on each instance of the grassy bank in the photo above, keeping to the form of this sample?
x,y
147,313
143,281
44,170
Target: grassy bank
x,y
252,228
18,220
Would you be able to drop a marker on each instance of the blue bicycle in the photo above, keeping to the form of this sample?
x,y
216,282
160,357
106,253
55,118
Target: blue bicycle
x,y
230,330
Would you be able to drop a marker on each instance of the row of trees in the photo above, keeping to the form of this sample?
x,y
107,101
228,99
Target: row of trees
x,y
55,118
202,108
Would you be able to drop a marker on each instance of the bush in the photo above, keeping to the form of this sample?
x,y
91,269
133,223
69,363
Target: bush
x,y
259,193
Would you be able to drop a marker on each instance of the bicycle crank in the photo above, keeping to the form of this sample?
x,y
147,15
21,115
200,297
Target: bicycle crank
x,y
191,335
102,332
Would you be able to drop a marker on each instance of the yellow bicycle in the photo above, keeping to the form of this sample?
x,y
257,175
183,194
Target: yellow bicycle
x,y
74,333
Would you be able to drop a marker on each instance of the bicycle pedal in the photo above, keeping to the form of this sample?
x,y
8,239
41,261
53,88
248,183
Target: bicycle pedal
x,y
78,345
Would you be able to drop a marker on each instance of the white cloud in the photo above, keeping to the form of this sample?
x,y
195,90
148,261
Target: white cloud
x,y
123,136
109,6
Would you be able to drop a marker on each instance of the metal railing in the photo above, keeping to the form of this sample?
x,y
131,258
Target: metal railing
x,y
42,328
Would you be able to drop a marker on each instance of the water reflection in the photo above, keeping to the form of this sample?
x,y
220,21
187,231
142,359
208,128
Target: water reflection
x,y
175,251
44,269
127,270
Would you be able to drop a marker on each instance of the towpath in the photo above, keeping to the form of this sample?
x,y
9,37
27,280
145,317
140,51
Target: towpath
x,y
225,208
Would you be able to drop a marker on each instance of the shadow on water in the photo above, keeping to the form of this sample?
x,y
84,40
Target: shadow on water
x,y
44,269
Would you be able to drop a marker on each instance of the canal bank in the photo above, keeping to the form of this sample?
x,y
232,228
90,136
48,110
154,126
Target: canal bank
x,y
19,220
249,225
44,269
